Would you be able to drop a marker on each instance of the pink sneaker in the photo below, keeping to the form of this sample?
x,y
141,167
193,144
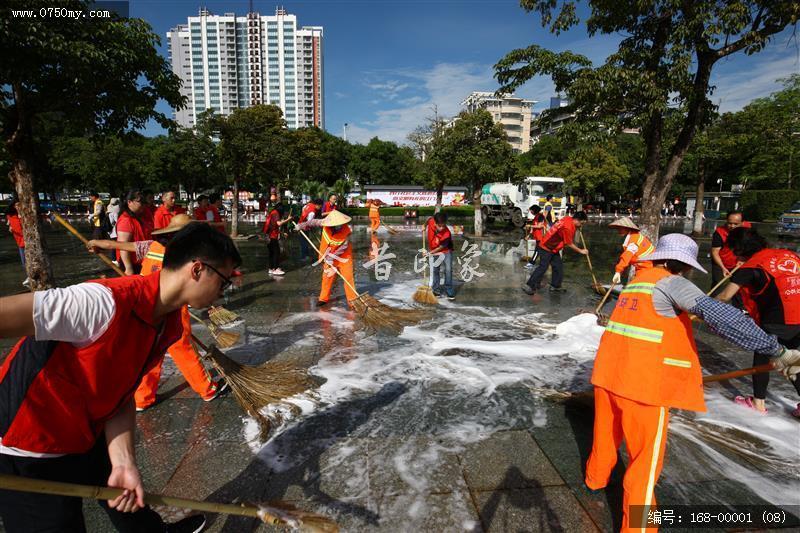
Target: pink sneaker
x,y
747,401
796,412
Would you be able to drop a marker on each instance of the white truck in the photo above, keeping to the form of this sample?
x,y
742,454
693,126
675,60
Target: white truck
x,y
510,202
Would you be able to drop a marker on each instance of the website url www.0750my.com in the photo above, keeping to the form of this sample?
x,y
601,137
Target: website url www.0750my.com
x,y
60,13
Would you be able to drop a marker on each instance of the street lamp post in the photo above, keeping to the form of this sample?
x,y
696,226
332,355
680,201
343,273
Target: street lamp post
x,y
344,134
719,198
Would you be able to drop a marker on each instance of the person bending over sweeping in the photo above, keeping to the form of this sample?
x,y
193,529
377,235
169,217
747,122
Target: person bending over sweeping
x,y
151,255
441,252
374,215
767,287
104,335
335,252
647,363
561,234
635,248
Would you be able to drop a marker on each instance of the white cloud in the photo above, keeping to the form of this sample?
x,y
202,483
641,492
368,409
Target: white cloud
x,y
754,77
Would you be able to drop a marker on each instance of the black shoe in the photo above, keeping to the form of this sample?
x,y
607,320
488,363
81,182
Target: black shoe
x,y
321,303
190,524
438,294
557,289
527,289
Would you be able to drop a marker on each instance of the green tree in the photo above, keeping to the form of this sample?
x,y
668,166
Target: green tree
x,y
473,152
588,169
382,163
101,74
254,146
665,60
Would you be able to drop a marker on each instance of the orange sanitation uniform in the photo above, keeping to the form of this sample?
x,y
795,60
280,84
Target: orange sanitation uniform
x,y
645,364
343,261
374,217
634,249
182,352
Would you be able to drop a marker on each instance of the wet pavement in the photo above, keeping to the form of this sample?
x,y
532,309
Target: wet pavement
x,y
453,425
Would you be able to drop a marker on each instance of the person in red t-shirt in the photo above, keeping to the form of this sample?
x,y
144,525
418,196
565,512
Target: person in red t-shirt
x,y
330,205
272,229
166,210
130,228
310,211
213,216
15,227
723,260
561,234
537,226
441,256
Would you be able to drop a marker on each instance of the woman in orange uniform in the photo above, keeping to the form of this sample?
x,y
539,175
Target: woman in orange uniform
x,y
647,363
374,215
635,248
336,253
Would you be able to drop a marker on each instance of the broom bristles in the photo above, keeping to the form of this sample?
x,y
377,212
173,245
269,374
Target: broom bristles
x,y
255,387
376,315
224,339
296,518
221,316
424,295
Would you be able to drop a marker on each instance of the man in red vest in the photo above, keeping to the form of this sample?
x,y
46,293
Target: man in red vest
x,y
647,363
310,211
166,210
67,412
561,234
330,205
769,280
723,260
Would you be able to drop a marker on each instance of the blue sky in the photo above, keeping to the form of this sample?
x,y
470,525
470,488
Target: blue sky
x,y
388,63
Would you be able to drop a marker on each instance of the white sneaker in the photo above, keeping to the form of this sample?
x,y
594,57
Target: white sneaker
x,y
27,282
277,272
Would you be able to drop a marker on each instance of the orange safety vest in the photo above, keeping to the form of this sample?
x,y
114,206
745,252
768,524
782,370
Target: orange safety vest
x,y
153,258
645,248
781,267
373,211
646,357
333,241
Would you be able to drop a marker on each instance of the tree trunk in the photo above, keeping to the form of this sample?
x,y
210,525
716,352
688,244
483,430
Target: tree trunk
x,y
37,262
235,209
699,207
476,202
439,194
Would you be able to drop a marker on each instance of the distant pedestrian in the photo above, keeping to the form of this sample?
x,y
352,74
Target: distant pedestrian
x,y
97,216
272,229
15,227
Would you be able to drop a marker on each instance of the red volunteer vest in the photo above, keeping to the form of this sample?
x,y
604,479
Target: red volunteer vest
x,y
726,254
138,233
781,267
553,240
646,357
57,398
307,210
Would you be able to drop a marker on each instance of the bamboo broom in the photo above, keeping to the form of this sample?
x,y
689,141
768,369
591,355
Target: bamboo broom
x,y
373,313
224,316
391,231
277,513
424,293
253,387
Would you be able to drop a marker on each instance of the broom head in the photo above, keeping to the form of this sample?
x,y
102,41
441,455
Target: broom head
x,y
295,518
424,295
221,316
223,338
255,387
375,315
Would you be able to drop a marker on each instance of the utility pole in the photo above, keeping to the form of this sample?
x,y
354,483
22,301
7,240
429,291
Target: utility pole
x,y
344,135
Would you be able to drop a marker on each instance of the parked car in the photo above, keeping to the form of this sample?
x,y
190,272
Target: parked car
x,y
789,222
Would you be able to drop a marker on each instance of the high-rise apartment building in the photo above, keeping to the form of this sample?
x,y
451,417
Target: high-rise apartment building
x,y
226,62
513,113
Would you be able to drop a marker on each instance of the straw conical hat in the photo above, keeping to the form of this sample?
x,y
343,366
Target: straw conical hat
x,y
178,222
624,222
336,218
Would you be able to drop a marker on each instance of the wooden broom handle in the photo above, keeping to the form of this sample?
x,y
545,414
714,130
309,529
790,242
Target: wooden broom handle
x,y
603,301
104,258
760,369
588,260
41,486
303,233
723,280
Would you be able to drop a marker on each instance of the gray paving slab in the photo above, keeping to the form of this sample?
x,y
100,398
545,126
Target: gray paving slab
x,y
506,460
542,509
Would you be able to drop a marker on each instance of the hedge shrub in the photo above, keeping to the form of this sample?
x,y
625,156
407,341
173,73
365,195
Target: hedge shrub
x,y
452,211
760,205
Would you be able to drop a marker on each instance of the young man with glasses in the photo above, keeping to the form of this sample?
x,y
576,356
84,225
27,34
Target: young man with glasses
x,y
151,255
67,386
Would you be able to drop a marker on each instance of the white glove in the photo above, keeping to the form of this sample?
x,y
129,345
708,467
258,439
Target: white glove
x,y
617,278
788,363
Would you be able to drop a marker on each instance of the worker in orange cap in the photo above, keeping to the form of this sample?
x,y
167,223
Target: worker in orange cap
x,y
335,253
647,362
151,254
635,248
374,215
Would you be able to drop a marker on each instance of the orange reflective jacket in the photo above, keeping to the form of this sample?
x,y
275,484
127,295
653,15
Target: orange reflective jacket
x,y
333,241
646,357
153,259
644,247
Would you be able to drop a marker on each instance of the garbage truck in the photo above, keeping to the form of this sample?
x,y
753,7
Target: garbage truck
x,y
510,202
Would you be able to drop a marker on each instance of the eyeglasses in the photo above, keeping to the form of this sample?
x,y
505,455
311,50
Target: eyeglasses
x,y
226,281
